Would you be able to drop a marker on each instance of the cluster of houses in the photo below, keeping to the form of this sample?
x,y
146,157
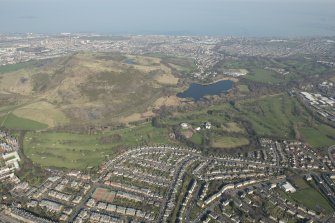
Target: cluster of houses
x,y
9,157
118,209
145,184
205,125
291,154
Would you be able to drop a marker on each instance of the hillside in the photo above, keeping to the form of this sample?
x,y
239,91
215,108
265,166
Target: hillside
x,y
88,88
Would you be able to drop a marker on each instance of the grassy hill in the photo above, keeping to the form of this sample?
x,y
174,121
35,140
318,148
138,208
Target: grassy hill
x,y
88,88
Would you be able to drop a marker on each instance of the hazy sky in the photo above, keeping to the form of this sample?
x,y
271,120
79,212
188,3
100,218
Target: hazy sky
x,y
196,17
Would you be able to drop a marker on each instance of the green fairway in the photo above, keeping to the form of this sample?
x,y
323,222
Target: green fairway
x,y
13,122
280,115
227,142
79,151
319,136
274,115
267,76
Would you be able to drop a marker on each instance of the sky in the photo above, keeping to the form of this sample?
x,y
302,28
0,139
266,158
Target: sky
x,y
175,17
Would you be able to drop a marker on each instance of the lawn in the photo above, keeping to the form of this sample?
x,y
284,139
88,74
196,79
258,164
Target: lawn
x,y
312,199
309,196
283,116
197,138
228,142
243,88
11,121
266,76
79,151
274,115
42,112
319,136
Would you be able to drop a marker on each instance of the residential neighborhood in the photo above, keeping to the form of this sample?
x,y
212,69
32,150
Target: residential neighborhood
x,y
176,184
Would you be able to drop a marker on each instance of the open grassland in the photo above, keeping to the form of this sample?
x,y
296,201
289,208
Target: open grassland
x,y
283,116
167,101
79,151
269,116
307,195
227,142
11,121
266,76
244,89
167,79
179,64
224,133
319,136
92,87
272,116
42,112
197,138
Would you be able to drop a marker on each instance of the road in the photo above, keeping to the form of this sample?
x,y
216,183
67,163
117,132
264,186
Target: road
x,y
6,219
171,188
330,150
80,206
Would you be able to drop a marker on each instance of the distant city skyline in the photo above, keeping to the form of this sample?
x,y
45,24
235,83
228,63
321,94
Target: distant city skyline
x,y
184,17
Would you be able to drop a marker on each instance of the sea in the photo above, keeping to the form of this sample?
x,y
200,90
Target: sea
x,y
249,18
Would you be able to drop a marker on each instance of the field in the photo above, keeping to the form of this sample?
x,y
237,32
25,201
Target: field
x,y
266,76
283,116
309,196
42,112
272,116
80,151
227,142
243,88
319,136
167,79
275,115
197,138
13,122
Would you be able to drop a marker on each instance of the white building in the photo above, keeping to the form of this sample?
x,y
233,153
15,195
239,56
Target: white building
x,y
287,187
